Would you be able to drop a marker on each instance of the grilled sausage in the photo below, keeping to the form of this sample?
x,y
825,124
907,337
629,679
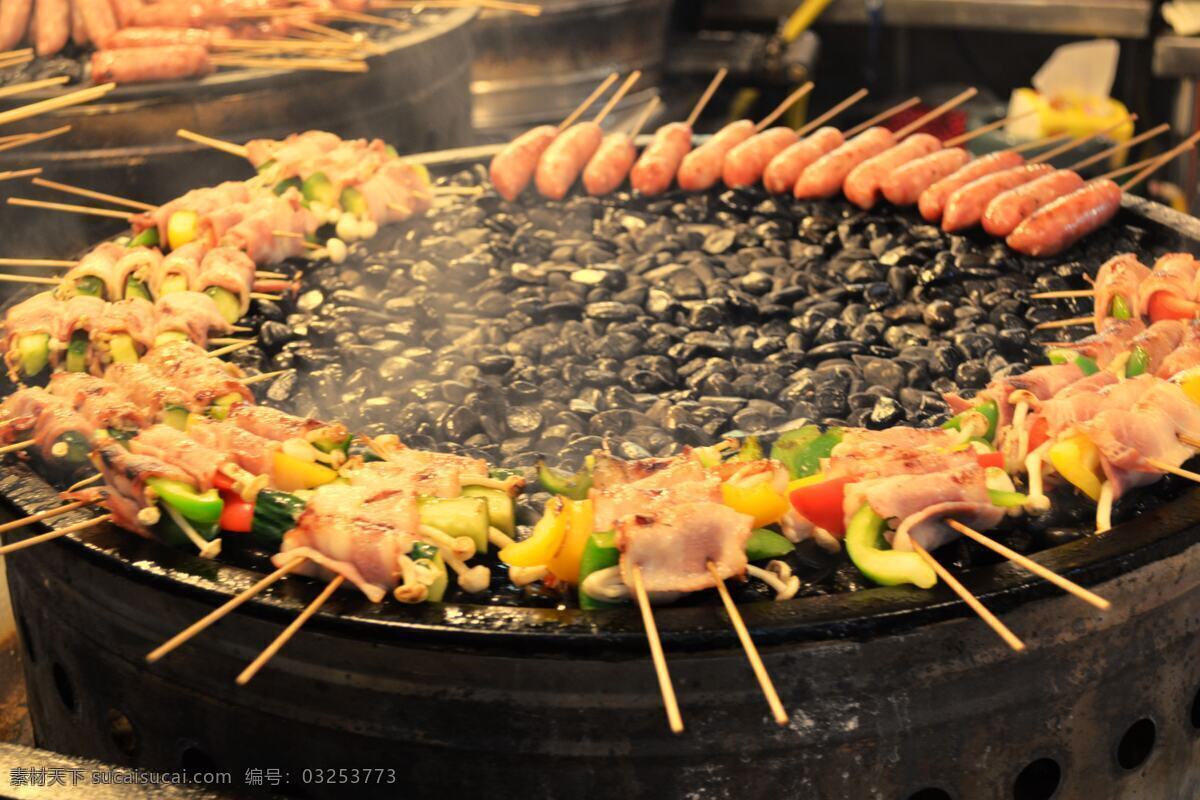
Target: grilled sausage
x,y
904,186
147,64
1009,209
512,168
171,14
99,18
702,167
744,163
825,176
125,11
933,200
1059,224
965,207
14,21
783,170
158,37
611,164
51,26
79,33
565,158
655,170
861,186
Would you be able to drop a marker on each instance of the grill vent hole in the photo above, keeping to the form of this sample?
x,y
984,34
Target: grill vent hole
x,y
1038,781
193,759
122,732
66,692
1196,710
931,793
1135,746
23,626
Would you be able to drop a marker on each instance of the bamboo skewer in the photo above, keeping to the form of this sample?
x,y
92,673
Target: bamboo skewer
x,y
13,448
674,719
1179,471
617,96
221,611
274,647
831,113
216,144
963,138
528,9
41,515
233,348
709,91
1045,141
55,534
82,483
55,263
30,279
1029,564
881,116
33,86
93,195
1066,293
925,119
760,670
56,103
1116,148
223,340
1162,160
1063,323
1080,140
971,600
71,209
30,138
787,103
262,377
317,64
587,101
370,19
13,174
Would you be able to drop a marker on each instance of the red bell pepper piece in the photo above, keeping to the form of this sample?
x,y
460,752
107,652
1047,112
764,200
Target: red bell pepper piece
x,y
237,515
1039,432
222,481
1164,305
821,504
993,459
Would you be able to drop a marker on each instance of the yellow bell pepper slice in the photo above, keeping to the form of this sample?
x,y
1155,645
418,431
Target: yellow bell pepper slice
x,y
291,474
1078,461
182,228
1191,387
547,538
565,564
807,480
759,500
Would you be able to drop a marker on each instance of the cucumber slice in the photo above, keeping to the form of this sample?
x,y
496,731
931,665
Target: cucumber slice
x,y
433,559
77,352
220,407
227,303
458,516
176,417
501,510
275,513
134,287
147,238
173,283
266,165
290,183
122,349
166,337
91,286
34,352
77,448
317,187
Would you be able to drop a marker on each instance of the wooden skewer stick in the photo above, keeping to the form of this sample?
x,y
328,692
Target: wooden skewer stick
x,y
1064,323
971,600
10,53
71,209
1027,563
30,279
15,447
221,611
33,86
262,377
233,348
1165,467
15,61
760,670
55,103
279,45
528,9
216,144
617,95
1189,441
41,515
1116,148
13,174
274,647
108,198
55,534
1066,293
674,718
37,262
808,127
1162,161
80,484
223,340
963,138
13,144
587,101
1079,141
470,191
371,19
1125,170
925,119
317,64
271,275
1045,141
709,91
787,103
262,296
881,116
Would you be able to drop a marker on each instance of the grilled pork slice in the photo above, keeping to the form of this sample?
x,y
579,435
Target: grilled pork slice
x,y
203,201
674,542
190,368
249,451
1174,274
100,263
102,403
192,313
125,474
422,472
230,269
1039,383
175,447
151,392
49,417
271,423
182,261
1111,341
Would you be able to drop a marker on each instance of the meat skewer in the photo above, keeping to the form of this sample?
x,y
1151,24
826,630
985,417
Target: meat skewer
x,y
655,169
781,172
564,158
609,167
703,167
513,168
745,162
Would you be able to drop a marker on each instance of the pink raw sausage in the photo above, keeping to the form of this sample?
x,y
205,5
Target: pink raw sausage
x,y
744,164
1055,227
51,26
904,186
825,176
965,207
702,167
1009,209
566,157
862,184
608,168
512,168
654,171
783,170
14,21
933,200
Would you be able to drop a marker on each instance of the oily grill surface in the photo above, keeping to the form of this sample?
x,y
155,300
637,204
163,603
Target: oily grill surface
x,y
532,330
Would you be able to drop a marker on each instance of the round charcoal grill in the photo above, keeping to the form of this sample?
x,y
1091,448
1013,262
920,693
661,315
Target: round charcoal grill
x,y
892,693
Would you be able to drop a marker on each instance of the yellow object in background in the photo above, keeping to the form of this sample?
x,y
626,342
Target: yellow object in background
x,y
1039,115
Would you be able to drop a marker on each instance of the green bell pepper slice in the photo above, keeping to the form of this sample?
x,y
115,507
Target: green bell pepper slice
x,y
1007,499
764,544
288,183
1119,308
879,563
1065,356
990,412
802,449
575,486
147,238
200,507
599,553
1138,363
